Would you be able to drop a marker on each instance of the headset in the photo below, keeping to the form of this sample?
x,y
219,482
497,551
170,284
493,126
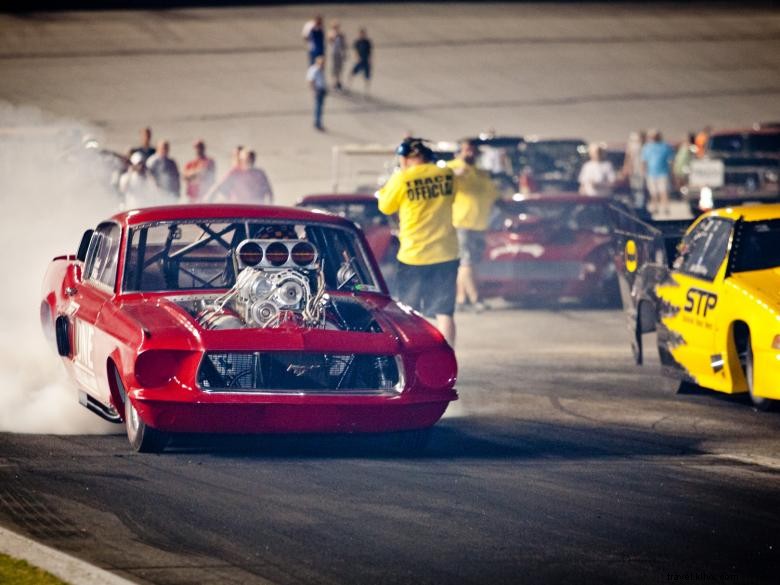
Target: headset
x,y
415,147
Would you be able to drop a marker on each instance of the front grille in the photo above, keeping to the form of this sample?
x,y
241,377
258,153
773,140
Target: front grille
x,y
299,372
530,270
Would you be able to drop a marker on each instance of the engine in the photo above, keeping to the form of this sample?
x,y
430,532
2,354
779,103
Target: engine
x,y
278,281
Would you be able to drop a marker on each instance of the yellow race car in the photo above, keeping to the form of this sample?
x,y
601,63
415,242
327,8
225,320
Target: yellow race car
x,y
716,309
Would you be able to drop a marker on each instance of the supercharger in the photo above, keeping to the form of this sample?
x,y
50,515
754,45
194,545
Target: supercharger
x,y
277,281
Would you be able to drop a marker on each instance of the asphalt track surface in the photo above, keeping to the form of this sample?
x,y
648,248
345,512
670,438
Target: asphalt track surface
x,y
562,462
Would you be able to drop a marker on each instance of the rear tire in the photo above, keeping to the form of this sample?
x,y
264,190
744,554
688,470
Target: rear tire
x,y
746,360
142,437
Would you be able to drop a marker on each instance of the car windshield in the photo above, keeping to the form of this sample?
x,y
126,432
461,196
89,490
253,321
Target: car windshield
x,y
363,213
573,215
759,246
200,254
745,143
547,156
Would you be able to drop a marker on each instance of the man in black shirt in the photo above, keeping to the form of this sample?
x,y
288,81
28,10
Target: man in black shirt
x,y
146,149
363,52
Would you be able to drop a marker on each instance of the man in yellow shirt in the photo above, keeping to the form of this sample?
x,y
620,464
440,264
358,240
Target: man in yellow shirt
x,y
471,209
421,192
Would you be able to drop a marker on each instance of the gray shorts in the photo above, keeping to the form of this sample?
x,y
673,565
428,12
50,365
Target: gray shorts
x,y
472,245
658,185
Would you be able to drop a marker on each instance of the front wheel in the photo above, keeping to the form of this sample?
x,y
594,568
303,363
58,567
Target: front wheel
x,y
746,359
410,443
142,437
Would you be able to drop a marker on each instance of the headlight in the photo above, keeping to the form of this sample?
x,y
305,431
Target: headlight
x,y
705,199
156,367
437,368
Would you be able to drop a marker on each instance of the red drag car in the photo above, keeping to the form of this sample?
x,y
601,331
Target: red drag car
x,y
241,319
551,248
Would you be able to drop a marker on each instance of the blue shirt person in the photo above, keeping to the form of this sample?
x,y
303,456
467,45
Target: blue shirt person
x,y
316,78
656,157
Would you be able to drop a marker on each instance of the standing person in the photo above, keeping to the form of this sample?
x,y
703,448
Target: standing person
x,y
244,183
701,140
199,173
474,198
363,49
422,194
656,156
314,36
681,167
319,87
136,184
235,157
146,149
597,175
633,168
338,53
164,170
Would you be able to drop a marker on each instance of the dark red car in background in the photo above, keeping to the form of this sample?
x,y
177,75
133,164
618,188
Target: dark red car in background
x,y
381,230
552,247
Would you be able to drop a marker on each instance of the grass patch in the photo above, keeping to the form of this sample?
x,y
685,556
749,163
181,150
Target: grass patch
x,y
17,572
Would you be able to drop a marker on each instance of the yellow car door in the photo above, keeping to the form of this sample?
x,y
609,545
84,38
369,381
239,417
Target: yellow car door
x,y
689,308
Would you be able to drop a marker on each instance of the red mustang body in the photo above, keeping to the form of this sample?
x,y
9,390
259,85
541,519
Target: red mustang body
x,y
141,315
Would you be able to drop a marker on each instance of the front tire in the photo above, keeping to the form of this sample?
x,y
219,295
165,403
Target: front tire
x,y
411,443
142,437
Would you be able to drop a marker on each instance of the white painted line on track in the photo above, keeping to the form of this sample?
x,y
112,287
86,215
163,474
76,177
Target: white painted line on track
x,y
760,460
68,568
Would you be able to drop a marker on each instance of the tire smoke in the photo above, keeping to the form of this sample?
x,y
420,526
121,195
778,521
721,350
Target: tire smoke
x,y
51,190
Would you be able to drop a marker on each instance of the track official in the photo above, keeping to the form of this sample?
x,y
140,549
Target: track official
x,y
422,194
471,209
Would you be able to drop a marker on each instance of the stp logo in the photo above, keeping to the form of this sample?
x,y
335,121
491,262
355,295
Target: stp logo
x,y
700,301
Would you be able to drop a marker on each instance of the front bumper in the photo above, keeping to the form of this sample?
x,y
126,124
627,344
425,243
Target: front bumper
x,y
200,412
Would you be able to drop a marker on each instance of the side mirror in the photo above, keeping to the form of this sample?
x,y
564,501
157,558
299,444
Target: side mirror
x,y
73,275
81,255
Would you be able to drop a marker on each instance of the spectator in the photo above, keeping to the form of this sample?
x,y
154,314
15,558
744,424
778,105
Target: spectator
x,y
701,140
316,78
633,168
597,175
146,149
421,192
314,37
199,173
656,156
338,53
474,198
136,184
682,160
244,183
235,157
164,170
363,49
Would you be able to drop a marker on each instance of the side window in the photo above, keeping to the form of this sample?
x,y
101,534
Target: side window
x,y
103,255
705,248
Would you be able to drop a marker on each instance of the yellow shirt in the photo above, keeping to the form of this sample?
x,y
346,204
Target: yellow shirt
x,y
474,197
422,196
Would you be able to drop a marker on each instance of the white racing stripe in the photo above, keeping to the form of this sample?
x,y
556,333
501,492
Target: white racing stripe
x,y
68,568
